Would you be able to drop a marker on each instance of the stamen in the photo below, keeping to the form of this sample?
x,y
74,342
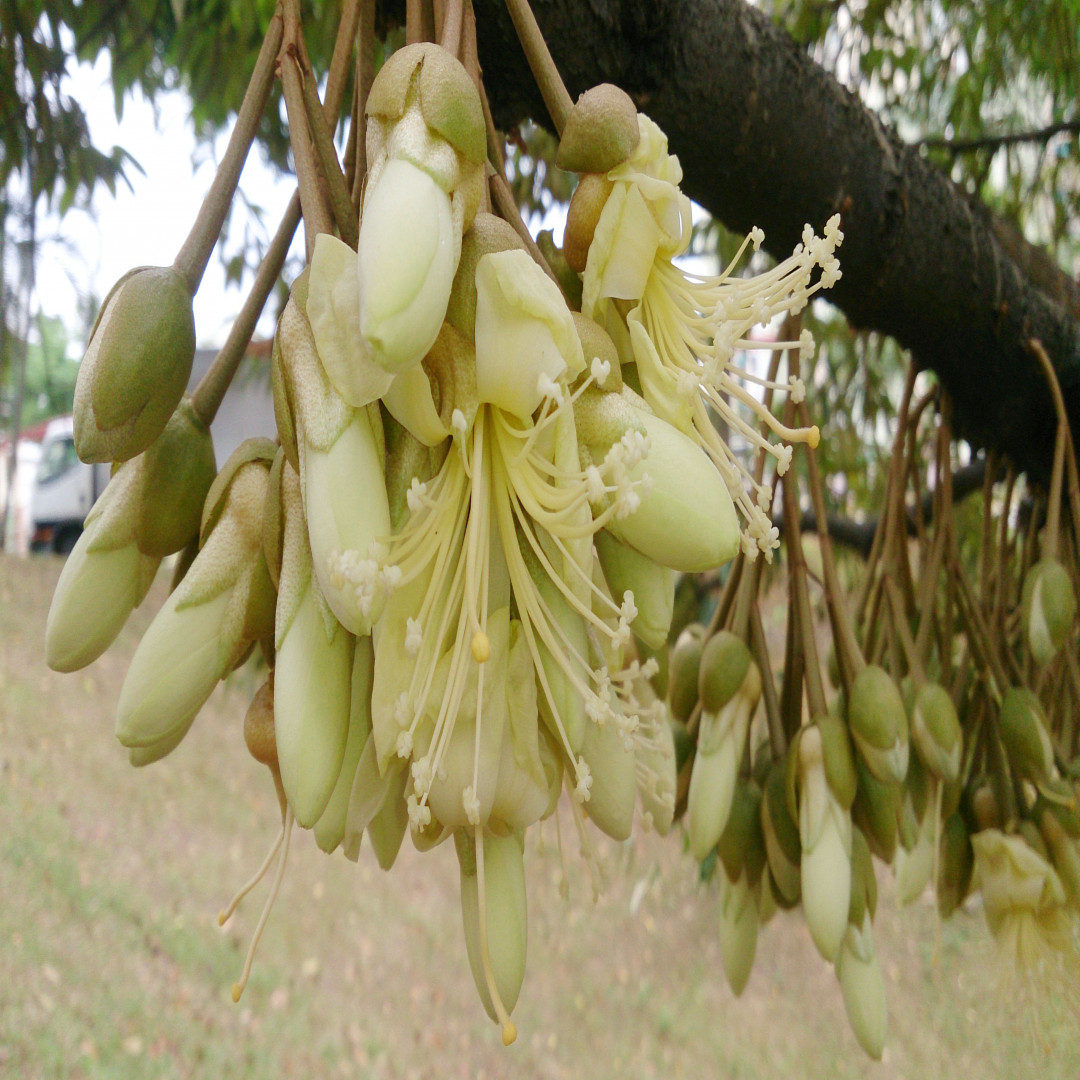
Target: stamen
x,y
238,987
481,647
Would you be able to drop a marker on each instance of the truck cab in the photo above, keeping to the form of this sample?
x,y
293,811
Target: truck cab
x,y
64,489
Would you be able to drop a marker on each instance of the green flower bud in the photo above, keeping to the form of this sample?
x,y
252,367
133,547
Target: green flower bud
x,y
915,863
935,731
330,828
725,663
956,861
495,918
614,784
1064,849
1049,606
742,845
683,671
879,724
863,881
207,623
313,674
680,516
875,810
738,930
859,973
178,469
600,132
653,587
781,833
104,578
387,828
1024,732
136,365
825,834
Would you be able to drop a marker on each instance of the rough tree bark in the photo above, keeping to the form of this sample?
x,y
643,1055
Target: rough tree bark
x,y
767,137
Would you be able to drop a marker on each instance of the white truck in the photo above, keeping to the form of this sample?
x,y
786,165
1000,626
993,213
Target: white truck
x,y
64,490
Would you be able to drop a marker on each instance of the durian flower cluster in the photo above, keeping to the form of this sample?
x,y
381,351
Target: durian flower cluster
x,y
471,521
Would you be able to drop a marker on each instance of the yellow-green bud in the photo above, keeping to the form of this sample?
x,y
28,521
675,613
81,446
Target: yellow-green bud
x,y
1024,733
742,844
879,724
488,235
875,811
725,662
863,881
600,132
781,835
653,587
859,973
1064,849
683,671
935,730
178,469
330,828
136,365
738,929
1049,606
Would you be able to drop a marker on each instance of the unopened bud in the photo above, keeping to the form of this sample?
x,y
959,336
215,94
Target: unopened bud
x,y
1049,606
1024,733
601,131
136,365
879,724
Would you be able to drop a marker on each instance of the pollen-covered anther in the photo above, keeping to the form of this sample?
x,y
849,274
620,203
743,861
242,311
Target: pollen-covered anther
x,y
757,237
422,775
403,747
783,460
419,813
471,805
416,495
548,387
600,370
584,781
458,422
480,646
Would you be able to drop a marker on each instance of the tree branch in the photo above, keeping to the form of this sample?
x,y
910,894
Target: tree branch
x,y
767,137
995,142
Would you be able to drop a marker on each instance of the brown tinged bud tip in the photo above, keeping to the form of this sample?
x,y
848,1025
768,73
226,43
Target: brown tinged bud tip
x,y
259,726
601,131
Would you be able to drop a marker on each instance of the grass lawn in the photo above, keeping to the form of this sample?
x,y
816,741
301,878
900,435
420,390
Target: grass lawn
x,y
112,963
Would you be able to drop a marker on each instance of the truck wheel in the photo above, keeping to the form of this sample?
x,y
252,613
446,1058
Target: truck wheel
x,y
66,540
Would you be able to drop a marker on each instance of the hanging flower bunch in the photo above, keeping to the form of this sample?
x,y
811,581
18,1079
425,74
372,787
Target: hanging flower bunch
x,y
459,555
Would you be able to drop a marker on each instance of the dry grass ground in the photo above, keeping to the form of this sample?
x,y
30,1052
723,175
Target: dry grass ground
x,y
112,964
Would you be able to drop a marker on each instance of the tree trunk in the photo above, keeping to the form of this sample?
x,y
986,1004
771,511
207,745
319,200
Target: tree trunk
x,y
767,137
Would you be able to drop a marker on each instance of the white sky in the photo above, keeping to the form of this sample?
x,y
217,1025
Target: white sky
x,y
146,226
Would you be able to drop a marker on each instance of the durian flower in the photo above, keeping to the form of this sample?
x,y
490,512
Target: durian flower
x,y
1023,898
859,972
684,329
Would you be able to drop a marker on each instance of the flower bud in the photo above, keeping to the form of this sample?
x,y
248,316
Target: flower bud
x,y
313,674
614,784
387,827
879,724
683,670
1024,733
1049,607
781,833
863,989
738,930
582,216
104,578
653,587
825,834
601,131
208,623
935,730
725,663
875,811
1064,849
178,469
330,828
136,365
407,256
